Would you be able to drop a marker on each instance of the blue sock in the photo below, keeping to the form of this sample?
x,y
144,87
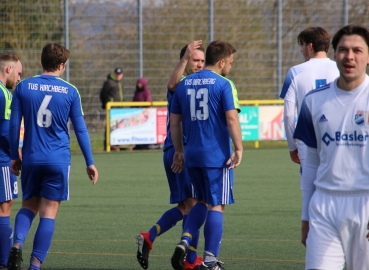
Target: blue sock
x,y
42,240
184,221
168,220
192,254
213,231
23,222
194,221
5,239
192,251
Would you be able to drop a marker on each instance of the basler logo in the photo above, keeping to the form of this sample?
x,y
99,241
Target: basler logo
x,y
344,137
327,139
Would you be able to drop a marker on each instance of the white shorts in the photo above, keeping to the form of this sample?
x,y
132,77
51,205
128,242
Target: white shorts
x,y
338,227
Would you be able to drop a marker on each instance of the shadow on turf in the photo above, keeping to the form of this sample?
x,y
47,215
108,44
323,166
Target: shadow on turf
x,y
52,268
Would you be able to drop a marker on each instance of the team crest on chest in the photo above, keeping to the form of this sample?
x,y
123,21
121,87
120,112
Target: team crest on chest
x,y
361,118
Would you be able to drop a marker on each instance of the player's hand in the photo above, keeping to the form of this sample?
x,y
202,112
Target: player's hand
x,y
92,173
304,231
235,159
191,48
295,156
16,166
178,162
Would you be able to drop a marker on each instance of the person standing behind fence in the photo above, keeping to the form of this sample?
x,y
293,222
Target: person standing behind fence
x,y
46,102
10,72
206,105
317,71
142,92
112,89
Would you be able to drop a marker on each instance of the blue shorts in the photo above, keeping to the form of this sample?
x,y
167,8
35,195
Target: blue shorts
x,y
48,181
8,185
180,185
214,185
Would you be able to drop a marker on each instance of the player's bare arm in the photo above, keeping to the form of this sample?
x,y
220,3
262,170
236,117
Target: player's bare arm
x,y
92,173
178,71
176,131
234,128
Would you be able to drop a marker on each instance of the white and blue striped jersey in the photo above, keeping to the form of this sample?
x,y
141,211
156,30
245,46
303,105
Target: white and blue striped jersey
x,y
336,123
202,99
47,102
307,76
300,80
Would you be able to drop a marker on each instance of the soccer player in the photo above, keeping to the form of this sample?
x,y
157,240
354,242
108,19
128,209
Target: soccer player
x,y
334,124
181,190
46,102
318,70
206,105
10,72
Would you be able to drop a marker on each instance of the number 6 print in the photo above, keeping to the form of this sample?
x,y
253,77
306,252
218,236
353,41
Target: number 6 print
x,y
44,116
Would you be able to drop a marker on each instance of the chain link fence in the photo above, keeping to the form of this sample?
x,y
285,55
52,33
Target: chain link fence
x,y
103,35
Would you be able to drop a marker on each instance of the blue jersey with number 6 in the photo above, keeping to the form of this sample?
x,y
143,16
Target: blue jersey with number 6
x,y
202,99
47,102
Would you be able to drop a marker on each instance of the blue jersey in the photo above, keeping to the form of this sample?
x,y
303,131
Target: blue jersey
x,y
5,101
168,143
202,99
46,102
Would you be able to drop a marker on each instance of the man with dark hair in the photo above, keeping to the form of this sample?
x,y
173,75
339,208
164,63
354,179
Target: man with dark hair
x,y
334,124
317,71
10,72
206,105
181,189
112,89
46,102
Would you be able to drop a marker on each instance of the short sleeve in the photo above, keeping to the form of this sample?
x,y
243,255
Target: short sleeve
x,y
305,130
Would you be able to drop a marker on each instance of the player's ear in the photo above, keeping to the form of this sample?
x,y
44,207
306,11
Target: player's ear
x,y
221,63
310,46
8,69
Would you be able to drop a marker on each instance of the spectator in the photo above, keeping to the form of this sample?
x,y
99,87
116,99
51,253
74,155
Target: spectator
x,y
112,89
142,93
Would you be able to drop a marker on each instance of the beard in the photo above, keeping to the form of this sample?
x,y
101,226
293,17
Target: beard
x,y
10,84
223,72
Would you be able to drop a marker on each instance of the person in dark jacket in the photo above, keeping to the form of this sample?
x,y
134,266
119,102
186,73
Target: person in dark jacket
x,y
142,93
112,89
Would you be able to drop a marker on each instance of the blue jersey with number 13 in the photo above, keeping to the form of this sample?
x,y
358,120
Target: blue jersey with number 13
x,y
202,99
